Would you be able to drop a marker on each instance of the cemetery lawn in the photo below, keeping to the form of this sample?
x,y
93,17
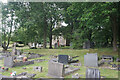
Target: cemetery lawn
x,y
108,73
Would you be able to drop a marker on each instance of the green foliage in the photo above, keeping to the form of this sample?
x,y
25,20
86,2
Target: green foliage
x,y
92,22
36,22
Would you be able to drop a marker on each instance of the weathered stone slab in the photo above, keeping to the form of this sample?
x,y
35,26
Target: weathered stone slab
x,y
92,74
55,69
76,64
58,70
70,70
91,60
39,60
8,61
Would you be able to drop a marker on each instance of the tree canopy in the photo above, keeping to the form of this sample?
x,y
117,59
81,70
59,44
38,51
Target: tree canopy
x,y
35,22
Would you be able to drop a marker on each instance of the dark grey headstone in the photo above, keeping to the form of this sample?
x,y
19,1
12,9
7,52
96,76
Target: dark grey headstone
x,y
63,59
91,60
92,74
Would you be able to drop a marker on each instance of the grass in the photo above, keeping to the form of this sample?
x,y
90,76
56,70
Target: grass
x,y
71,52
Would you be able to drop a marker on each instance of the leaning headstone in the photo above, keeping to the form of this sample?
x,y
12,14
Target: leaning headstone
x,y
55,69
92,74
63,59
91,60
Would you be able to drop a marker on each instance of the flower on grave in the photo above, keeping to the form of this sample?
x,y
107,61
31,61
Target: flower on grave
x,y
13,74
2,68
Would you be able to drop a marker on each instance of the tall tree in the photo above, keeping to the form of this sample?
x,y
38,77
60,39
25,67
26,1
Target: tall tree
x,y
8,23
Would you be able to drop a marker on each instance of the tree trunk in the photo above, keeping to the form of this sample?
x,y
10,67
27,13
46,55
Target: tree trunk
x,y
45,28
67,42
45,33
35,45
50,37
114,33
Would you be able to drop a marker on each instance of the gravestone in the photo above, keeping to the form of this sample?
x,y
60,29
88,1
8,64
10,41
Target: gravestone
x,y
107,58
8,61
14,50
18,52
37,68
58,70
118,67
55,45
76,75
91,60
118,60
71,45
25,75
63,59
55,69
86,45
19,58
92,74
1,57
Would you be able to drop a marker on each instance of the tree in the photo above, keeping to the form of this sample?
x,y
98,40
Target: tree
x,y
95,19
8,23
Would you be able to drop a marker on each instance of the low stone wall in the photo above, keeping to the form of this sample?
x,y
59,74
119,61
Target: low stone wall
x,y
8,62
34,56
23,63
